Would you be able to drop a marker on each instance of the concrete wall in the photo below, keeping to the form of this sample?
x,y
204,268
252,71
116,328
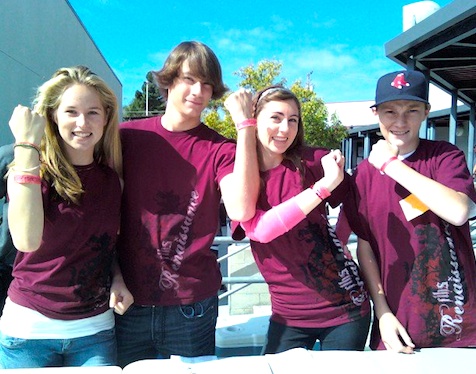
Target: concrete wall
x,y
36,38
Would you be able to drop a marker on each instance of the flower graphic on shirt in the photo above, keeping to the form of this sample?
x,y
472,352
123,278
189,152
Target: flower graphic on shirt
x,y
168,202
432,282
328,269
92,281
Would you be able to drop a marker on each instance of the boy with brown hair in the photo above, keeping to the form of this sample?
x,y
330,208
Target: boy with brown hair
x,y
176,170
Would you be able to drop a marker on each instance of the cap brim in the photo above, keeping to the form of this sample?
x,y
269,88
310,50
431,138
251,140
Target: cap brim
x,y
400,97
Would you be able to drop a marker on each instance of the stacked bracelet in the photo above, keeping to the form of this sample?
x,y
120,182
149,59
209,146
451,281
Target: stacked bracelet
x,y
385,164
27,179
250,122
321,191
28,145
14,168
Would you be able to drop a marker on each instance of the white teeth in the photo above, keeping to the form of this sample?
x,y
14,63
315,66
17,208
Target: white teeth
x,y
82,134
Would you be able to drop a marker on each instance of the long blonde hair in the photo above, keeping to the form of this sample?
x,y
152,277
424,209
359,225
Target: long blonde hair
x,y
56,168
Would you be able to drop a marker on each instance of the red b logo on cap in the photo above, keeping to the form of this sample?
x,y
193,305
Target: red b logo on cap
x,y
400,81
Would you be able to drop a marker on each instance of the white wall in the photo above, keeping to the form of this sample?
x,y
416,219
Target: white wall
x,y
36,38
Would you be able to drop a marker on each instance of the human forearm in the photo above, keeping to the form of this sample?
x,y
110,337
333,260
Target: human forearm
x,y
240,189
25,212
241,194
267,226
371,273
445,202
391,330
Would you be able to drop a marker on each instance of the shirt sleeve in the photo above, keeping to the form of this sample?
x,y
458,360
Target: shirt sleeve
x,y
225,160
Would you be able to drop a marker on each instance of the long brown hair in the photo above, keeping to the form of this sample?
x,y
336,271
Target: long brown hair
x,y
279,93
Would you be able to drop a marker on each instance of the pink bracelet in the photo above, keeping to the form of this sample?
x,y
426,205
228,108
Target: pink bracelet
x,y
321,191
27,179
250,122
393,158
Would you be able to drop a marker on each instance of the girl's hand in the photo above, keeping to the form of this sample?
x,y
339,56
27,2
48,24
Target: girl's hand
x,y
27,125
239,104
333,165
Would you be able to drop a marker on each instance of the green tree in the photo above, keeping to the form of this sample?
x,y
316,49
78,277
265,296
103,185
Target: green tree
x,y
265,74
138,108
318,130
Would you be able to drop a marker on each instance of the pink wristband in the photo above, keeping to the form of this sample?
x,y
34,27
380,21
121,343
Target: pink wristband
x,y
267,226
320,191
27,179
250,122
385,164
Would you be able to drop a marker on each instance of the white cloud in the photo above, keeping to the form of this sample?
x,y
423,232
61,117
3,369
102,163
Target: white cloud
x,y
281,24
234,45
338,72
326,60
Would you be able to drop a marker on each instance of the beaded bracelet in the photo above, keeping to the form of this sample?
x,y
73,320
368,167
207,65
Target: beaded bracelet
x,y
27,179
385,164
28,145
321,191
250,122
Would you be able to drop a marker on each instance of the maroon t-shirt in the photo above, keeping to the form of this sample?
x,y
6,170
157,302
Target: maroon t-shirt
x,y
170,211
312,282
427,266
68,277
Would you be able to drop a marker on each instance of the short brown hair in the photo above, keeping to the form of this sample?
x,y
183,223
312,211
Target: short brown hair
x,y
203,63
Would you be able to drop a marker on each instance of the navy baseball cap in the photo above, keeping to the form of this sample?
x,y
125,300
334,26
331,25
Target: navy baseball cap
x,y
402,85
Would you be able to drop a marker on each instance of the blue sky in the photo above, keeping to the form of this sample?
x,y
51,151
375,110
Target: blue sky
x,y
340,42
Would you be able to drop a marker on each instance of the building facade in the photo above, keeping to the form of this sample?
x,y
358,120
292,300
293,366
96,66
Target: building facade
x,y
443,47
36,38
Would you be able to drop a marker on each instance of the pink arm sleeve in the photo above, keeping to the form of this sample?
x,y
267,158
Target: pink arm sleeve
x,y
266,226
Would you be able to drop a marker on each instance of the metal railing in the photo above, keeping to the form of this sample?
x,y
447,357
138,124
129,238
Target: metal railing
x,y
242,281
245,281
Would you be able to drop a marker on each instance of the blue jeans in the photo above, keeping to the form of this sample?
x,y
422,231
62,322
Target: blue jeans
x,y
350,336
94,350
151,332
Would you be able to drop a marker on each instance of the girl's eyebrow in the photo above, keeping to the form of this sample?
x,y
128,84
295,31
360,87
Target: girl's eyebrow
x,y
282,114
89,108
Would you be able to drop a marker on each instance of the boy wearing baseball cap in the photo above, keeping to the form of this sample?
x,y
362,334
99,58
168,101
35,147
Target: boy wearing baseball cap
x,y
410,208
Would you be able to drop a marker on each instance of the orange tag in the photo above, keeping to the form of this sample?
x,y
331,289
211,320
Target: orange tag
x,y
412,207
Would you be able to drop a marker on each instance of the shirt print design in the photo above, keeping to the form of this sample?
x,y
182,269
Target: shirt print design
x,y
92,281
329,270
444,291
176,231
